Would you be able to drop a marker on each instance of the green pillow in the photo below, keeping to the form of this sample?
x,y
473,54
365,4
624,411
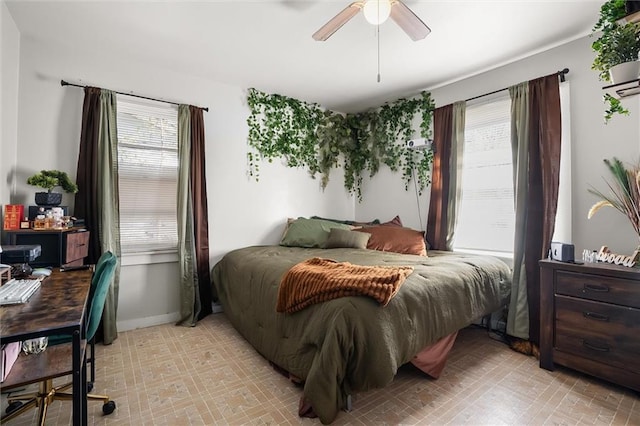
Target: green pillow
x,y
350,239
309,232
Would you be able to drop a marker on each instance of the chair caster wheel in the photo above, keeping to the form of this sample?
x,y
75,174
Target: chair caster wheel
x,y
89,387
108,407
13,406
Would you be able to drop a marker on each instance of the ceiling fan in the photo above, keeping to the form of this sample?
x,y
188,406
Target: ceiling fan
x,y
376,12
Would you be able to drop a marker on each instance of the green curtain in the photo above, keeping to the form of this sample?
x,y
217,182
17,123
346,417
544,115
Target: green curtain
x,y
189,295
108,204
518,317
455,169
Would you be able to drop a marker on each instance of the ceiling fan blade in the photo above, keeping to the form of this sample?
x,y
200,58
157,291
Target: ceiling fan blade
x,y
409,21
338,21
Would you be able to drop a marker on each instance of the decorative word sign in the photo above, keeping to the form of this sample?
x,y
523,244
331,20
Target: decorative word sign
x,y
605,255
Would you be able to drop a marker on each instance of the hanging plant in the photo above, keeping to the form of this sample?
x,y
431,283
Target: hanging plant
x,y
391,126
282,127
357,155
335,137
305,135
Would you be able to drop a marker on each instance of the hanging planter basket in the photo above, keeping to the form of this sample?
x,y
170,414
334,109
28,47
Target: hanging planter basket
x,y
48,198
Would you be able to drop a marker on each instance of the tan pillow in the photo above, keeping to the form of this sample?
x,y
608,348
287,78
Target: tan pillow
x,y
349,239
395,239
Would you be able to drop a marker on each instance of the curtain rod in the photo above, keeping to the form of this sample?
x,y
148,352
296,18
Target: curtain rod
x,y
560,73
66,83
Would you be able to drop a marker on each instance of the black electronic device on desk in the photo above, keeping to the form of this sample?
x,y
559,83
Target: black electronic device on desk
x,y
19,256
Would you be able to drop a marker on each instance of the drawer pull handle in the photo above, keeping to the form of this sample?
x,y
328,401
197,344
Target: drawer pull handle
x,y
595,347
596,288
595,316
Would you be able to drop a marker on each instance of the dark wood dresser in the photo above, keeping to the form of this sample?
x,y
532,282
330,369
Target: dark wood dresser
x,y
590,320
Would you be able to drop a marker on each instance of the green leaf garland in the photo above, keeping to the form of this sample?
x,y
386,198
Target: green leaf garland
x,y
305,135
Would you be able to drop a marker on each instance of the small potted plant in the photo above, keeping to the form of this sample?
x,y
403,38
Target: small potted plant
x,y
49,179
616,49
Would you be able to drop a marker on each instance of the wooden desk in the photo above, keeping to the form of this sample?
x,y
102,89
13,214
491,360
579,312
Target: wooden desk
x,y
58,307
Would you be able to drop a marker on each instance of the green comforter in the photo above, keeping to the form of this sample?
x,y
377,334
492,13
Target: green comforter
x,y
353,344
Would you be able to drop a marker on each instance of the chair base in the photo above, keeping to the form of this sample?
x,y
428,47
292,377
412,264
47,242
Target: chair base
x,y
45,395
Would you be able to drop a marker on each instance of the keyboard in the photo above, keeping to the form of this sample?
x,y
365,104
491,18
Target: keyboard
x,y
18,290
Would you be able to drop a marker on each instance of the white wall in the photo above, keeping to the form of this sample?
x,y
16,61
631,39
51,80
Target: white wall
x,y
241,211
592,141
9,68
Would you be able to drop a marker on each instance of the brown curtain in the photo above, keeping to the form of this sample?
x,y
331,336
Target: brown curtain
x,y
440,177
544,174
200,210
86,199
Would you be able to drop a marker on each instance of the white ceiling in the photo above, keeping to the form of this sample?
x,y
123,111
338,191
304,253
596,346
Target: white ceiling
x,y
267,44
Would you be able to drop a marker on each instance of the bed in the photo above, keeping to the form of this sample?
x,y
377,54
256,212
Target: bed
x,y
352,344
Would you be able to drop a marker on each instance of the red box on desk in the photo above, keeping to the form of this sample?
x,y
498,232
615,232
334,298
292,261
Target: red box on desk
x,y
13,215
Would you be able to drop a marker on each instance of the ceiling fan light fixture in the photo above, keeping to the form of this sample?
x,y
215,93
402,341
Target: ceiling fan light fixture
x,y
377,11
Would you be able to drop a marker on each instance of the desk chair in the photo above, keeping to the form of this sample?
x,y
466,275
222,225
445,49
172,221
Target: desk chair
x,y
47,393
103,261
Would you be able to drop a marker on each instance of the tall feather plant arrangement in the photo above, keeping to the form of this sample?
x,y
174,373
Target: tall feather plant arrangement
x,y
624,192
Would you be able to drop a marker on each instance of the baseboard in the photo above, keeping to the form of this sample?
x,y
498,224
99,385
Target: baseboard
x,y
148,321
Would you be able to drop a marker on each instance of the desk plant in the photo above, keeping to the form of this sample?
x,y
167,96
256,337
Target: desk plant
x,y
624,193
50,179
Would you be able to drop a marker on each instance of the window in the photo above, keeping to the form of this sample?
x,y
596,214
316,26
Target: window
x,y
148,173
486,218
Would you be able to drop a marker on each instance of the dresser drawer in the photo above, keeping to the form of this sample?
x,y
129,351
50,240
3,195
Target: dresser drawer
x,y
77,247
618,291
599,331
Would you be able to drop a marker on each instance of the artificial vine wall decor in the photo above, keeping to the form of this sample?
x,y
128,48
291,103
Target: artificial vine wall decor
x,y
306,135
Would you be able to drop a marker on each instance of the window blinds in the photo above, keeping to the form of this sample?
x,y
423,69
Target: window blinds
x,y
148,173
487,220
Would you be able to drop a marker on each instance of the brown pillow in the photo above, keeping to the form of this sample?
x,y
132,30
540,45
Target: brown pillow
x,y
349,239
395,239
393,222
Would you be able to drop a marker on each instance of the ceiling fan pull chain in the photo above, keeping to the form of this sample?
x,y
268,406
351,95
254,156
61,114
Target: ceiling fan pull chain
x,y
378,37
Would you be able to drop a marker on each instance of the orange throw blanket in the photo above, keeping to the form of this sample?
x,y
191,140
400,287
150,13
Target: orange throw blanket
x,y
318,280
